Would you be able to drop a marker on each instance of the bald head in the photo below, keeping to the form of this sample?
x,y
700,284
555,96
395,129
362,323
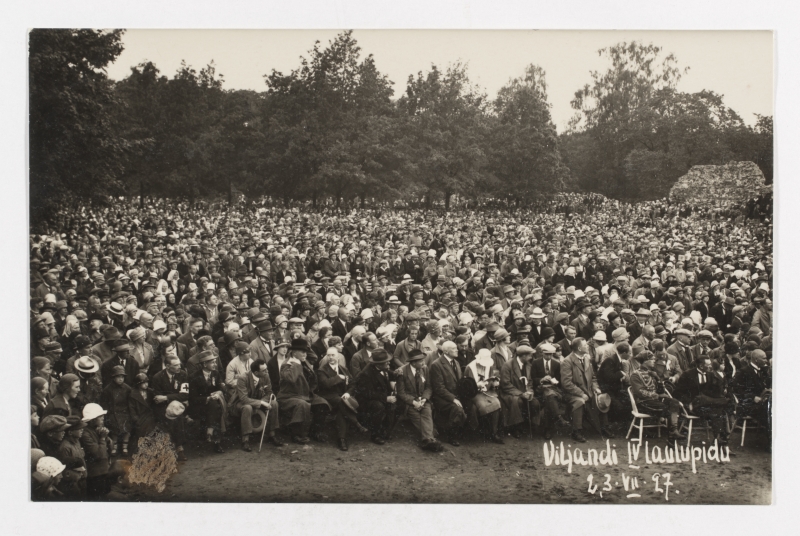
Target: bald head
x,y
649,332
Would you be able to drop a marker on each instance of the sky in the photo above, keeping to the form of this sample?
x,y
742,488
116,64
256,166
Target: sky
x,y
736,64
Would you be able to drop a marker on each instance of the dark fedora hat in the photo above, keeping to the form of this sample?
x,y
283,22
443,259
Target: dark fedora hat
x,y
414,355
299,345
380,356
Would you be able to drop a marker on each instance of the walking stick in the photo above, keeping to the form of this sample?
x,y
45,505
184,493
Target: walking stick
x,y
530,415
266,417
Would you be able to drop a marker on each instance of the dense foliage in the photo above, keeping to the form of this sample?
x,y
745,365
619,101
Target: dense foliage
x,y
333,129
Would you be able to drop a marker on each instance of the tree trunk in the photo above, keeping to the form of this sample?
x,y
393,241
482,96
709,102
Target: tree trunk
x,y
314,199
230,192
363,197
447,196
141,194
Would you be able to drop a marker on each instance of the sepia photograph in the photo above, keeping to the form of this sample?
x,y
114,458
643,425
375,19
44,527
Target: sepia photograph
x,y
370,266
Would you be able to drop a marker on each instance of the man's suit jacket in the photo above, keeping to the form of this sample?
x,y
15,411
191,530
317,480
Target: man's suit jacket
x,y
444,381
247,392
538,372
177,389
578,379
259,350
340,329
131,369
536,334
188,340
358,362
688,386
370,386
511,383
330,384
610,374
200,389
408,390
750,383
685,355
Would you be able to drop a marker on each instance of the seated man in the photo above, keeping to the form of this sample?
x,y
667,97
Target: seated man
x,y
613,376
207,399
171,385
445,373
702,392
753,388
301,409
545,379
334,380
580,388
516,389
253,392
651,396
373,391
414,391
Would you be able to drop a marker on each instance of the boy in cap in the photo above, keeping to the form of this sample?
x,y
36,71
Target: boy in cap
x,y
115,401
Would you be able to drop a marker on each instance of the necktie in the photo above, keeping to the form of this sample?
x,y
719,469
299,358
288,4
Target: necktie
x,y
455,367
547,367
420,383
702,378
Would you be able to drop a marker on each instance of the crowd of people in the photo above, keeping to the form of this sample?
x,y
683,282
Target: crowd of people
x,y
255,323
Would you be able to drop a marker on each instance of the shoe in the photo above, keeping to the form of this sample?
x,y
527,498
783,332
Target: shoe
x,y
378,440
606,433
246,446
113,452
455,442
181,456
125,449
276,441
362,429
577,435
322,437
675,434
548,434
439,446
300,440
343,444
387,436
515,433
218,448
497,439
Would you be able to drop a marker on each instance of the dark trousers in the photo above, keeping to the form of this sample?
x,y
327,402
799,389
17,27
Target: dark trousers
x,y
97,486
577,416
377,416
551,411
176,428
489,423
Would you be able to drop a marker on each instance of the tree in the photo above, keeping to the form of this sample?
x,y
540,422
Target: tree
x,y
445,121
607,108
524,152
75,147
329,125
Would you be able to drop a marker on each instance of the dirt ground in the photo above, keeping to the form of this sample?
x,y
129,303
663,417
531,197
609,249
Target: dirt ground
x,y
475,472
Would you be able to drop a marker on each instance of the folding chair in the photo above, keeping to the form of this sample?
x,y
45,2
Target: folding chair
x,y
687,419
641,417
743,426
